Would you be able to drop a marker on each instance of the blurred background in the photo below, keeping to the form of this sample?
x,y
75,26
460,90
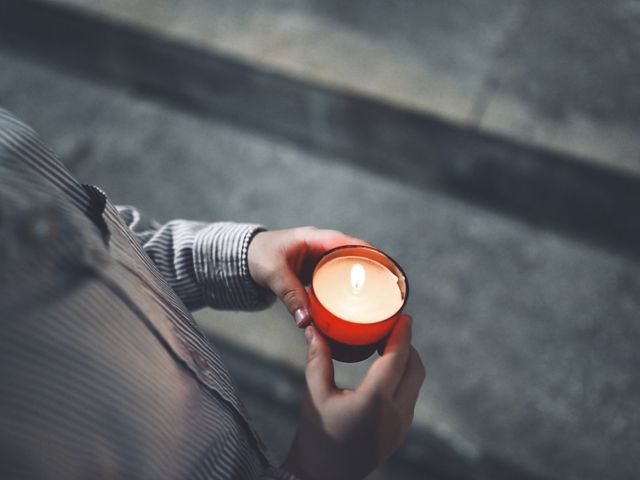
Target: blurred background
x,y
491,146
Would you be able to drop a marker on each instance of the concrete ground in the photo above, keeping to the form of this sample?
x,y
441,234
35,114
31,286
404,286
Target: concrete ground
x,y
530,338
560,75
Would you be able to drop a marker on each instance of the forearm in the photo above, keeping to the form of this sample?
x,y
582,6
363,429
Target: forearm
x,y
205,263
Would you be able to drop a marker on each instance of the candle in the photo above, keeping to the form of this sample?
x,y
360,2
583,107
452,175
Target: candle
x,y
356,295
358,289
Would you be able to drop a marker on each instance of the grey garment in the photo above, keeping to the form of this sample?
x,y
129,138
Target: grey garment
x,y
104,372
205,263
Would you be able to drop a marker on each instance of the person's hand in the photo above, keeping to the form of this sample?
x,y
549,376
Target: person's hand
x,y
283,260
344,434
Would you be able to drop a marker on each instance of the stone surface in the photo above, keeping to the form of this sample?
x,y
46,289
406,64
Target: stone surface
x,y
568,75
530,338
560,75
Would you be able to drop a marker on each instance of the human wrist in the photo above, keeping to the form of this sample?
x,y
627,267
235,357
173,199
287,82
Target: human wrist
x,y
293,466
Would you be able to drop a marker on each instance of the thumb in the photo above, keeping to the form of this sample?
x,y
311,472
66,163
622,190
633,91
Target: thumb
x,y
319,371
291,292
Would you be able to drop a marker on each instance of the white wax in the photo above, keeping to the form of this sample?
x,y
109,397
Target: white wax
x,y
376,299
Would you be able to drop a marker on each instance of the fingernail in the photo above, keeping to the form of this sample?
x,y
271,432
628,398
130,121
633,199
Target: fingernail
x,y
301,316
308,334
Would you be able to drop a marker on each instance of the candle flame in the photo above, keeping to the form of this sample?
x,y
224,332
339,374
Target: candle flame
x,y
358,277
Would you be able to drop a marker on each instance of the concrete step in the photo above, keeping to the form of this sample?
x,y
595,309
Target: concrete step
x,y
348,103
558,75
530,337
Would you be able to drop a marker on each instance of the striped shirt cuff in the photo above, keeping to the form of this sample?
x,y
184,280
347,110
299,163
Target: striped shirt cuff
x,y
221,266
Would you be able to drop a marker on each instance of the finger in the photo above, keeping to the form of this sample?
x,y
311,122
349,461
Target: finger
x,y
407,392
316,243
319,371
319,241
400,339
291,292
386,372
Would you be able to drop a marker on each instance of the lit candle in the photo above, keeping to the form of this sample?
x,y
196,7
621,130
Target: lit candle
x,y
356,295
358,289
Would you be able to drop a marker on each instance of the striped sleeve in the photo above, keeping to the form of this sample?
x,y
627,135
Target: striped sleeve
x,y
205,263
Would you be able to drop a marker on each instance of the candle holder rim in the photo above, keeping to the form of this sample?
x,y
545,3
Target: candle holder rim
x,y
377,250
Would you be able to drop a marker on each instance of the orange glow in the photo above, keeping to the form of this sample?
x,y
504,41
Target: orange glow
x,y
357,294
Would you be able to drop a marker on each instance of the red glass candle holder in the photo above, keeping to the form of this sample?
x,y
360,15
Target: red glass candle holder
x,y
352,341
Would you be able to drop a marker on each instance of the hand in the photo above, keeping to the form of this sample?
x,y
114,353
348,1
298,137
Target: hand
x,y
344,434
283,260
